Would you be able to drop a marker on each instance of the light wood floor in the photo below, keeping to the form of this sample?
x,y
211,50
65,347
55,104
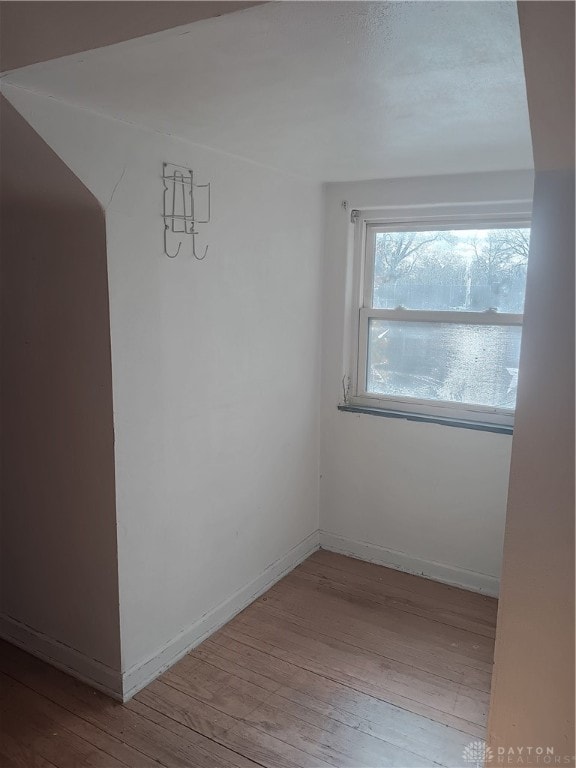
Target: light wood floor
x,y
342,663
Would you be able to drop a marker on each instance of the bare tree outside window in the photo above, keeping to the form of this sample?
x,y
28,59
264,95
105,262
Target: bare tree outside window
x,y
451,270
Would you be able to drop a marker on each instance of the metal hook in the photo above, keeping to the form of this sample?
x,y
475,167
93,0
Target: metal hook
x,y
166,245
198,258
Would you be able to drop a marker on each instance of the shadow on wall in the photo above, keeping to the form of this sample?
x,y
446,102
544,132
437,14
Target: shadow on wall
x,y
59,557
40,31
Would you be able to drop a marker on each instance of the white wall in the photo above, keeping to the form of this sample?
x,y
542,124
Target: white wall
x,y
58,544
533,682
215,378
423,497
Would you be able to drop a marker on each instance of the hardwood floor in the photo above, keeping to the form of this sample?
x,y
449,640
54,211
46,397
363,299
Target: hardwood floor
x,y
342,663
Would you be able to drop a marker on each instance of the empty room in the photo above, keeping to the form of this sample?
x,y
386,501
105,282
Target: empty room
x,y
287,379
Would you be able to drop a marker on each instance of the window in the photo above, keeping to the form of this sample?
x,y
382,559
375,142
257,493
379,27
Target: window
x,y
439,316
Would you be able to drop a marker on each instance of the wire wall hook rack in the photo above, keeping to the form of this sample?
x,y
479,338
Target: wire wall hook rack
x,y
179,209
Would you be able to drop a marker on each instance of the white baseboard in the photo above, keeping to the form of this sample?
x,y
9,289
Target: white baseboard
x,y
62,656
143,673
123,686
447,574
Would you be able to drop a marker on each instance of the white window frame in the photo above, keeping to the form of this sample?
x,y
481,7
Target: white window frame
x,y
366,224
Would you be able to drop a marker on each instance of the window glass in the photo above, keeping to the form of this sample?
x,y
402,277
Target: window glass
x,y
450,362
462,270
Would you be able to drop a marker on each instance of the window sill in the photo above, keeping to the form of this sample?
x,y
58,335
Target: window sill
x,y
500,429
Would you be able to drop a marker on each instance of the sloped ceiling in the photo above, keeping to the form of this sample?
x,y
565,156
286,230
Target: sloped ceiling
x,y
328,90
38,31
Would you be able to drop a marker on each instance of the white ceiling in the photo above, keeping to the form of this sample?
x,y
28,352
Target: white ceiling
x,y
330,90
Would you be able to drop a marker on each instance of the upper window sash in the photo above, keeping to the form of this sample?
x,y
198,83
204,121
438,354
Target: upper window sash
x,y
368,226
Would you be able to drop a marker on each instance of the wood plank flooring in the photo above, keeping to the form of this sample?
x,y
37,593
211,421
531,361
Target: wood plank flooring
x,y
342,663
